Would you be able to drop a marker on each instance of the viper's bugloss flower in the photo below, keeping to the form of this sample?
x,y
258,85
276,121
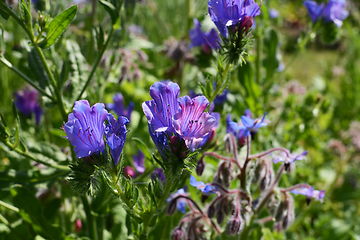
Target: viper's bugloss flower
x,y
231,13
206,40
204,188
119,108
160,111
333,11
180,203
27,103
115,133
273,13
85,128
172,119
139,162
310,193
192,123
251,125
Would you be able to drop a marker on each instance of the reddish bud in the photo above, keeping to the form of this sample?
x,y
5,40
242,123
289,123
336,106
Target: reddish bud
x,y
173,140
246,24
200,166
178,234
78,225
129,172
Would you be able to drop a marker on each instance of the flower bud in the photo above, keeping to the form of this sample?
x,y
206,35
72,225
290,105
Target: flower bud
x,y
290,212
280,212
178,234
220,216
78,225
234,226
245,24
171,207
200,166
129,172
211,211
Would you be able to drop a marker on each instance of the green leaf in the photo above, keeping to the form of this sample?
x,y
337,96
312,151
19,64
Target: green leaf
x,y
57,26
17,130
110,8
12,175
37,68
31,212
142,147
78,68
2,42
4,14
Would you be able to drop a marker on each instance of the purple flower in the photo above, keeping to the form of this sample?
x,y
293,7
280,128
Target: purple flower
x,y
160,111
85,128
180,203
27,103
175,120
251,125
221,98
204,188
158,173
310,193
191,123
333,11
289,159
115,133
118,106
230,13
206,40
273,13
139,162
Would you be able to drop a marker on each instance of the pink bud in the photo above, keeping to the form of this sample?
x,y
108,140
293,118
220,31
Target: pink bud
x,y
173,140
206,48
78,225
129,172
246,24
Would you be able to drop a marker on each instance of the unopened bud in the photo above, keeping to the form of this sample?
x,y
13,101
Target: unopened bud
x,y
129,172
245,24
280,212
234,226
178,234
220,216
136,75
173,140
211,211
171,207
78,225
200,166
206,48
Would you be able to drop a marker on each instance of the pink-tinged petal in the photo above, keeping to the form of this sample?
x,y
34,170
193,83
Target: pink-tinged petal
x,y
276,160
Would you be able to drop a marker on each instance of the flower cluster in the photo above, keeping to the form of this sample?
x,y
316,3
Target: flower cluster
x,y
333,11
176,125
85,130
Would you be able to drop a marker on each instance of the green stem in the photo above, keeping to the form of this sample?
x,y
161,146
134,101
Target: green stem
x,y
98,59
258,54
218,86
28,80
90,219
28,156
53,82
8,206
30,33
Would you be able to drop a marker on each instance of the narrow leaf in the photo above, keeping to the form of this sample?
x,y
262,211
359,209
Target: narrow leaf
x,y
58,25
110,8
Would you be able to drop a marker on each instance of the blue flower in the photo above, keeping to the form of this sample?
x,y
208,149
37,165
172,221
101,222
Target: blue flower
x,y
237,129
251,125
176,119
292,157
160,111
332,12
310,193
27,103
206,40
204,188
118,106
230,13
85,128
192,123
115,133
139,162
180,203
273,13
